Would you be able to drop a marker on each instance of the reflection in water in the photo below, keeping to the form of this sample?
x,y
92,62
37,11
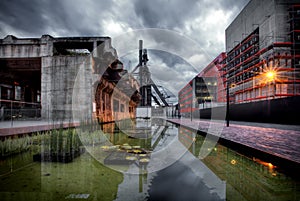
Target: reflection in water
x,y
246,178
137,148
150,143
178,176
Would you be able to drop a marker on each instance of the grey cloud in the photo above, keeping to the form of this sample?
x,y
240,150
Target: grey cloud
x,y
174,15
228,4
165,14
23,15
37,17
167,58
83,18
171,14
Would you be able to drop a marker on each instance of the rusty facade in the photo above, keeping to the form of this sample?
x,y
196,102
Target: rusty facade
x,y
116,97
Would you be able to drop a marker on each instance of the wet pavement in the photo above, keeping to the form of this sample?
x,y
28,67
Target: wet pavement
x,y
276,139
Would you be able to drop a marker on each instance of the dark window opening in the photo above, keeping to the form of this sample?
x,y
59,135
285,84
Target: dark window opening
x,y
116,105
72,48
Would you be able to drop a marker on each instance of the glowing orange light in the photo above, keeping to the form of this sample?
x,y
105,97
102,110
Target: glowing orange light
x,y
271,165
271,75
233,162
268,75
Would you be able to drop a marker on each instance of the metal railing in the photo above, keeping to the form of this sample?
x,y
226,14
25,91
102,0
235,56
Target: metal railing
x,y
11,110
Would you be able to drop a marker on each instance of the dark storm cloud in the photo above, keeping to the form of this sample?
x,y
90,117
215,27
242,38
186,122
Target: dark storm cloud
x,y
170,14
22,15
193,31
165,14
37,17
199,20
228,4
167,58
74,17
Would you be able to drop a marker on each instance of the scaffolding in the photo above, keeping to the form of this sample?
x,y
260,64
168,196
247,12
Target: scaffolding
x,y
249,62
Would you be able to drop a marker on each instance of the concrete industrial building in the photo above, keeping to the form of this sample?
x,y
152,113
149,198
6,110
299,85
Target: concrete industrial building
x,y
38,76
263,51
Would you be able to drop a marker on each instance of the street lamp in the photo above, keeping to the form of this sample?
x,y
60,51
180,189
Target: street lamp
x,y
227,102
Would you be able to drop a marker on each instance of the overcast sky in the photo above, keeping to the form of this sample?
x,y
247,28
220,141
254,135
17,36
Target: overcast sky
x,y
200,22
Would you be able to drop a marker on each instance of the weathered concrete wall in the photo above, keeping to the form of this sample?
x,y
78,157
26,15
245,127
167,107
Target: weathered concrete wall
x,y
20,51
59,72
12,47
256,13
58,82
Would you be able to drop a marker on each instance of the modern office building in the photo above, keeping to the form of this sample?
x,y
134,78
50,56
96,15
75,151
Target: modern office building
x,y
214,72
204,90
259,70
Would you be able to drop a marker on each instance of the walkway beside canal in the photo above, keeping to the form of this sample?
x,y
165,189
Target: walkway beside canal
x,y
280,141
7,128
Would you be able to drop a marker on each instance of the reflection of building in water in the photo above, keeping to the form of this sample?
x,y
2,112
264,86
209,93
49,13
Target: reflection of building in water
x,y
186,137
145,133
246,178
161,148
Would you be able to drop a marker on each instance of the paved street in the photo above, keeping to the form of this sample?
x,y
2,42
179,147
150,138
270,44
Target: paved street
x,y
276,139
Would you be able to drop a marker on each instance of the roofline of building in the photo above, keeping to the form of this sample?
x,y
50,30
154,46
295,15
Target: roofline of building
x,y
240,13
84,38
212,64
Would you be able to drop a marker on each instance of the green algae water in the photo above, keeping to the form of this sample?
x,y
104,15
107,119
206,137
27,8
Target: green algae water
x,y
100,173
82,178
247,177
